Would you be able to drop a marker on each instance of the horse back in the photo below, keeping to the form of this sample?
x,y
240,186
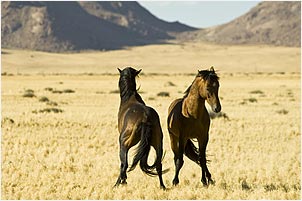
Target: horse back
x,y
134,112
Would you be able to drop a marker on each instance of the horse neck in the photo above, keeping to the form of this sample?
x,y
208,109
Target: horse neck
x,y
127,95
193,104
128,91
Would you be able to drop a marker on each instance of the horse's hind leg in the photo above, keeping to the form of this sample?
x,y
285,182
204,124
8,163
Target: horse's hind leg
x,y
159,155
124,165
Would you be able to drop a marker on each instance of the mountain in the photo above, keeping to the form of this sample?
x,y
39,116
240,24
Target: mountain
x,y
68,26
134,17
102,25
271,22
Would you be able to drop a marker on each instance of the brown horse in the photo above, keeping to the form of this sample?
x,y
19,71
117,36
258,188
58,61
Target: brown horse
x,y
137,123
188,118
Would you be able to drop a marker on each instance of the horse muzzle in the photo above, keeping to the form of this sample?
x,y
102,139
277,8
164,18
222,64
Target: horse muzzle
x,y
216,108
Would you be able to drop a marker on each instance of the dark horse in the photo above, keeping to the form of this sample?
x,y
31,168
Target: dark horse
x,y
188,118
137,123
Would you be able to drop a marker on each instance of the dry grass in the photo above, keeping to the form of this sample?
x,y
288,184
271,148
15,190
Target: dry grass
x,y
255,154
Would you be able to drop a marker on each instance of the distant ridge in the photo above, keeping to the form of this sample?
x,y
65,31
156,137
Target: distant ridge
x,y
272,22
71,26
134,17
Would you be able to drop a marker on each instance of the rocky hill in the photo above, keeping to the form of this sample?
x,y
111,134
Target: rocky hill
x,y
134,17
272,22
67,26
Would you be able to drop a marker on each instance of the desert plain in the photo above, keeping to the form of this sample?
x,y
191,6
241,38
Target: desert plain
x,y
59,137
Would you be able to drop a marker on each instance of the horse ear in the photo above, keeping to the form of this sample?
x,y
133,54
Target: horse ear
x,y
119,70
138,71
212,69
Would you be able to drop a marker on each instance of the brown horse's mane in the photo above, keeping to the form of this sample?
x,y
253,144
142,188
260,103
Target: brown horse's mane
x,y
208,75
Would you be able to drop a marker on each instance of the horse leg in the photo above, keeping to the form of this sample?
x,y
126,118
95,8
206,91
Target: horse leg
x,y
209,176
178,158
124,165
159,155
203,163
202,159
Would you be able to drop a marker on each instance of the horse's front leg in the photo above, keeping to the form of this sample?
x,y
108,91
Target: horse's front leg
x,y
178,149
203,163
124,165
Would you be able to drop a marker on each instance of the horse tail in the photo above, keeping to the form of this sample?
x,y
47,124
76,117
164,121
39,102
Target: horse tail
x,y
144,149
192,152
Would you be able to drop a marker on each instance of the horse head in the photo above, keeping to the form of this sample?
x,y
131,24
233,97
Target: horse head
x,y
208,88
129,71
127,84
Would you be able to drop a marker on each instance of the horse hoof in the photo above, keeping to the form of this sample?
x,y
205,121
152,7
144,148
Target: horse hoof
x,y
211,182
175,182
204,183
119,182
163,188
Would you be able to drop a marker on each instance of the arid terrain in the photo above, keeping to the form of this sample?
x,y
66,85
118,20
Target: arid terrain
x,y
59,122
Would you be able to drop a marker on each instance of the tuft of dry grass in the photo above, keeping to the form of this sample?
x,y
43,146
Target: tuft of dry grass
x,y
48,89
117,91
68,91
7,120
283,111
163,94
48,110
43,99
251,100
214,115
256,92
29,93
52,103
55,91
170,84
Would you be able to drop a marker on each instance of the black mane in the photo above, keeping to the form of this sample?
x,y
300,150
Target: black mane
x,y
208,75
127,85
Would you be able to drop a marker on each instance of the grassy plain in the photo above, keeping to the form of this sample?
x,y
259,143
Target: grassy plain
x,y
73,154
169,58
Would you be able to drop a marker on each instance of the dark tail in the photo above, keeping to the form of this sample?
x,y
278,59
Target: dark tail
x,y
192,152
143,150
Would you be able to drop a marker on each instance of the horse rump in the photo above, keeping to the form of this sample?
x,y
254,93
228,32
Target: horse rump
x,y
143,150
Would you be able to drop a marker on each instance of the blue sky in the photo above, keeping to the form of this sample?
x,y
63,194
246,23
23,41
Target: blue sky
x,y
198,14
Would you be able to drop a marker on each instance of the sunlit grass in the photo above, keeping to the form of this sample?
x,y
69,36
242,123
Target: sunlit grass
x,y
254,152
